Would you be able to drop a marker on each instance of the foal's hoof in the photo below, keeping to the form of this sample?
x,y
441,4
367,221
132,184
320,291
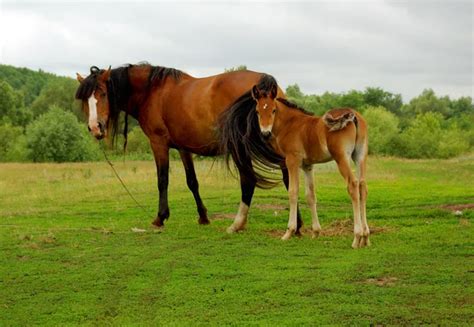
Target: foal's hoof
x,y
360,242
287,235
204,221
315,233
234,229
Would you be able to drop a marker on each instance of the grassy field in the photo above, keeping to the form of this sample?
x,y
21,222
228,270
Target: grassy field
x,y
68,254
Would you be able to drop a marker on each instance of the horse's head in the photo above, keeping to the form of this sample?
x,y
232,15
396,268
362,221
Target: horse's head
x,y
95,103
266,108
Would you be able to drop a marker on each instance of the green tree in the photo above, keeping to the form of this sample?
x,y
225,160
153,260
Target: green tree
x,y
293,91
383,130
427,101
8,100
375,96
58,136
59,92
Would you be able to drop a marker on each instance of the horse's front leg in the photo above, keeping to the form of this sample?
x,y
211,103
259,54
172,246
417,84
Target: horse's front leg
x,y
247,186
293,163
193,185
286,181
161,154
311,200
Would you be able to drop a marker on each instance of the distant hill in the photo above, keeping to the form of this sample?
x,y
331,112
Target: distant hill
x,y
27,81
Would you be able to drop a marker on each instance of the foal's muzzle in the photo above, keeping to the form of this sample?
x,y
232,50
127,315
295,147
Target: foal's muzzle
x,y
266,134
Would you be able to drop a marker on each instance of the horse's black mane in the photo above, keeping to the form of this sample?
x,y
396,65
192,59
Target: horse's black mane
x,y
293,105
240,138
119,89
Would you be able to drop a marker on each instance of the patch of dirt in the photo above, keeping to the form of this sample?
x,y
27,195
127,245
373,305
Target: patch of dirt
x,y
464,222
381,281
457,207
341,227
222,216
269,206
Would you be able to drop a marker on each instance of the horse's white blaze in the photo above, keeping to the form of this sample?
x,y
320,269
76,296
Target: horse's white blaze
x,y
92,101
241,218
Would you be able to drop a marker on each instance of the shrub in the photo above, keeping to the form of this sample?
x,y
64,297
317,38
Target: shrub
x,y
58,136
383,129
138,142
12,143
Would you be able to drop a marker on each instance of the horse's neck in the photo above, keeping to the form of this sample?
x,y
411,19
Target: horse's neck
x,y
287,118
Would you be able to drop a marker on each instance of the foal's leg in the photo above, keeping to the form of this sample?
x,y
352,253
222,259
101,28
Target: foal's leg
x,y
312,200
193,185
353,190
161,154
361,165
247,186
293,164
299,221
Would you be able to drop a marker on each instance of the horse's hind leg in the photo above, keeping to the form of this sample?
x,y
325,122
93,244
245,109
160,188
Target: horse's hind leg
x,y
247,186
286,181
354,192
361,165
161,154
193,185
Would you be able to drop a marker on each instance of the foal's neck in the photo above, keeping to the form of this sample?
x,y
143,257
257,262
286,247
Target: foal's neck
x,y
287,119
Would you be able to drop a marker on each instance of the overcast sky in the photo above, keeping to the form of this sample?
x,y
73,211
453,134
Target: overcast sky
x,y
401,46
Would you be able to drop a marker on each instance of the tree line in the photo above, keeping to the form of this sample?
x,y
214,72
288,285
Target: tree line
x,y
40,121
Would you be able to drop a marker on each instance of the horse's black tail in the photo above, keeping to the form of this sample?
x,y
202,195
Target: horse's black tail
x,y
240,138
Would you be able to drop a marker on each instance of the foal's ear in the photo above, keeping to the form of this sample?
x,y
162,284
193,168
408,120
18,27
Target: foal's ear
x,y
105,75
255,93
79,77
273,91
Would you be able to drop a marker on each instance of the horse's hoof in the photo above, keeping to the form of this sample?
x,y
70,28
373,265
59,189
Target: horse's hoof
x,y
158,223
287,236
316,233
204,221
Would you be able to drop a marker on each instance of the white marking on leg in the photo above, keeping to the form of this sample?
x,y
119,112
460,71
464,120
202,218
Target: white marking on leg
x,y
92,101
311,200
240,219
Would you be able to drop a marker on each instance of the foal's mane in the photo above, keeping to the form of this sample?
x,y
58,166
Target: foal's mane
x,y
119,89
293,105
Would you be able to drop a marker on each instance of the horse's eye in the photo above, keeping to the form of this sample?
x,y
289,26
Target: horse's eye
x,y
103,95
273,111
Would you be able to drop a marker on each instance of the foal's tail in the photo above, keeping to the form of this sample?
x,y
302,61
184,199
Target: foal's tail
x,y
337,119
240,138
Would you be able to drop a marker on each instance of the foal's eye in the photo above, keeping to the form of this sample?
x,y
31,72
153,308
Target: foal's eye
x,y
273,111
103,95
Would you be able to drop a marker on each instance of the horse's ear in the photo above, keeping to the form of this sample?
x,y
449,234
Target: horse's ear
x,y
273,92
79,77
255,93
106,75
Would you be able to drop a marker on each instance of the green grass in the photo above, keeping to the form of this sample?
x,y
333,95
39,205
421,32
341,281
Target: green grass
x,y
68,255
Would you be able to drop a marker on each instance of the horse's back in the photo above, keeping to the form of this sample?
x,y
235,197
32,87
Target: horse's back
x,y
192,107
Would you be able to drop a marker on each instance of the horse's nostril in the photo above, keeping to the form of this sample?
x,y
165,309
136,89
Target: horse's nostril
x,y
101,127
89,128
266,135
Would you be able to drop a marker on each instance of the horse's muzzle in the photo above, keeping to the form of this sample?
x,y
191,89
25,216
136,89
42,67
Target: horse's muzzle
x,y
266,135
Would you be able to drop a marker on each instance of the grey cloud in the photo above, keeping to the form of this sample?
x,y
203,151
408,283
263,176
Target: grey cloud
x,y
401,46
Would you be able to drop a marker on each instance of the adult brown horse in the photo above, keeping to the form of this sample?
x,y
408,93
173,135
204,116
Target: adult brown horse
x,y
175,110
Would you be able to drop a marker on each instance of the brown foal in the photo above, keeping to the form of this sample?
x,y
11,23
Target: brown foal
x,y
303,140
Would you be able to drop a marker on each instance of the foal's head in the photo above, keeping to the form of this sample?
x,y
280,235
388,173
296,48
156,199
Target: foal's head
x,y
266,108
93,93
